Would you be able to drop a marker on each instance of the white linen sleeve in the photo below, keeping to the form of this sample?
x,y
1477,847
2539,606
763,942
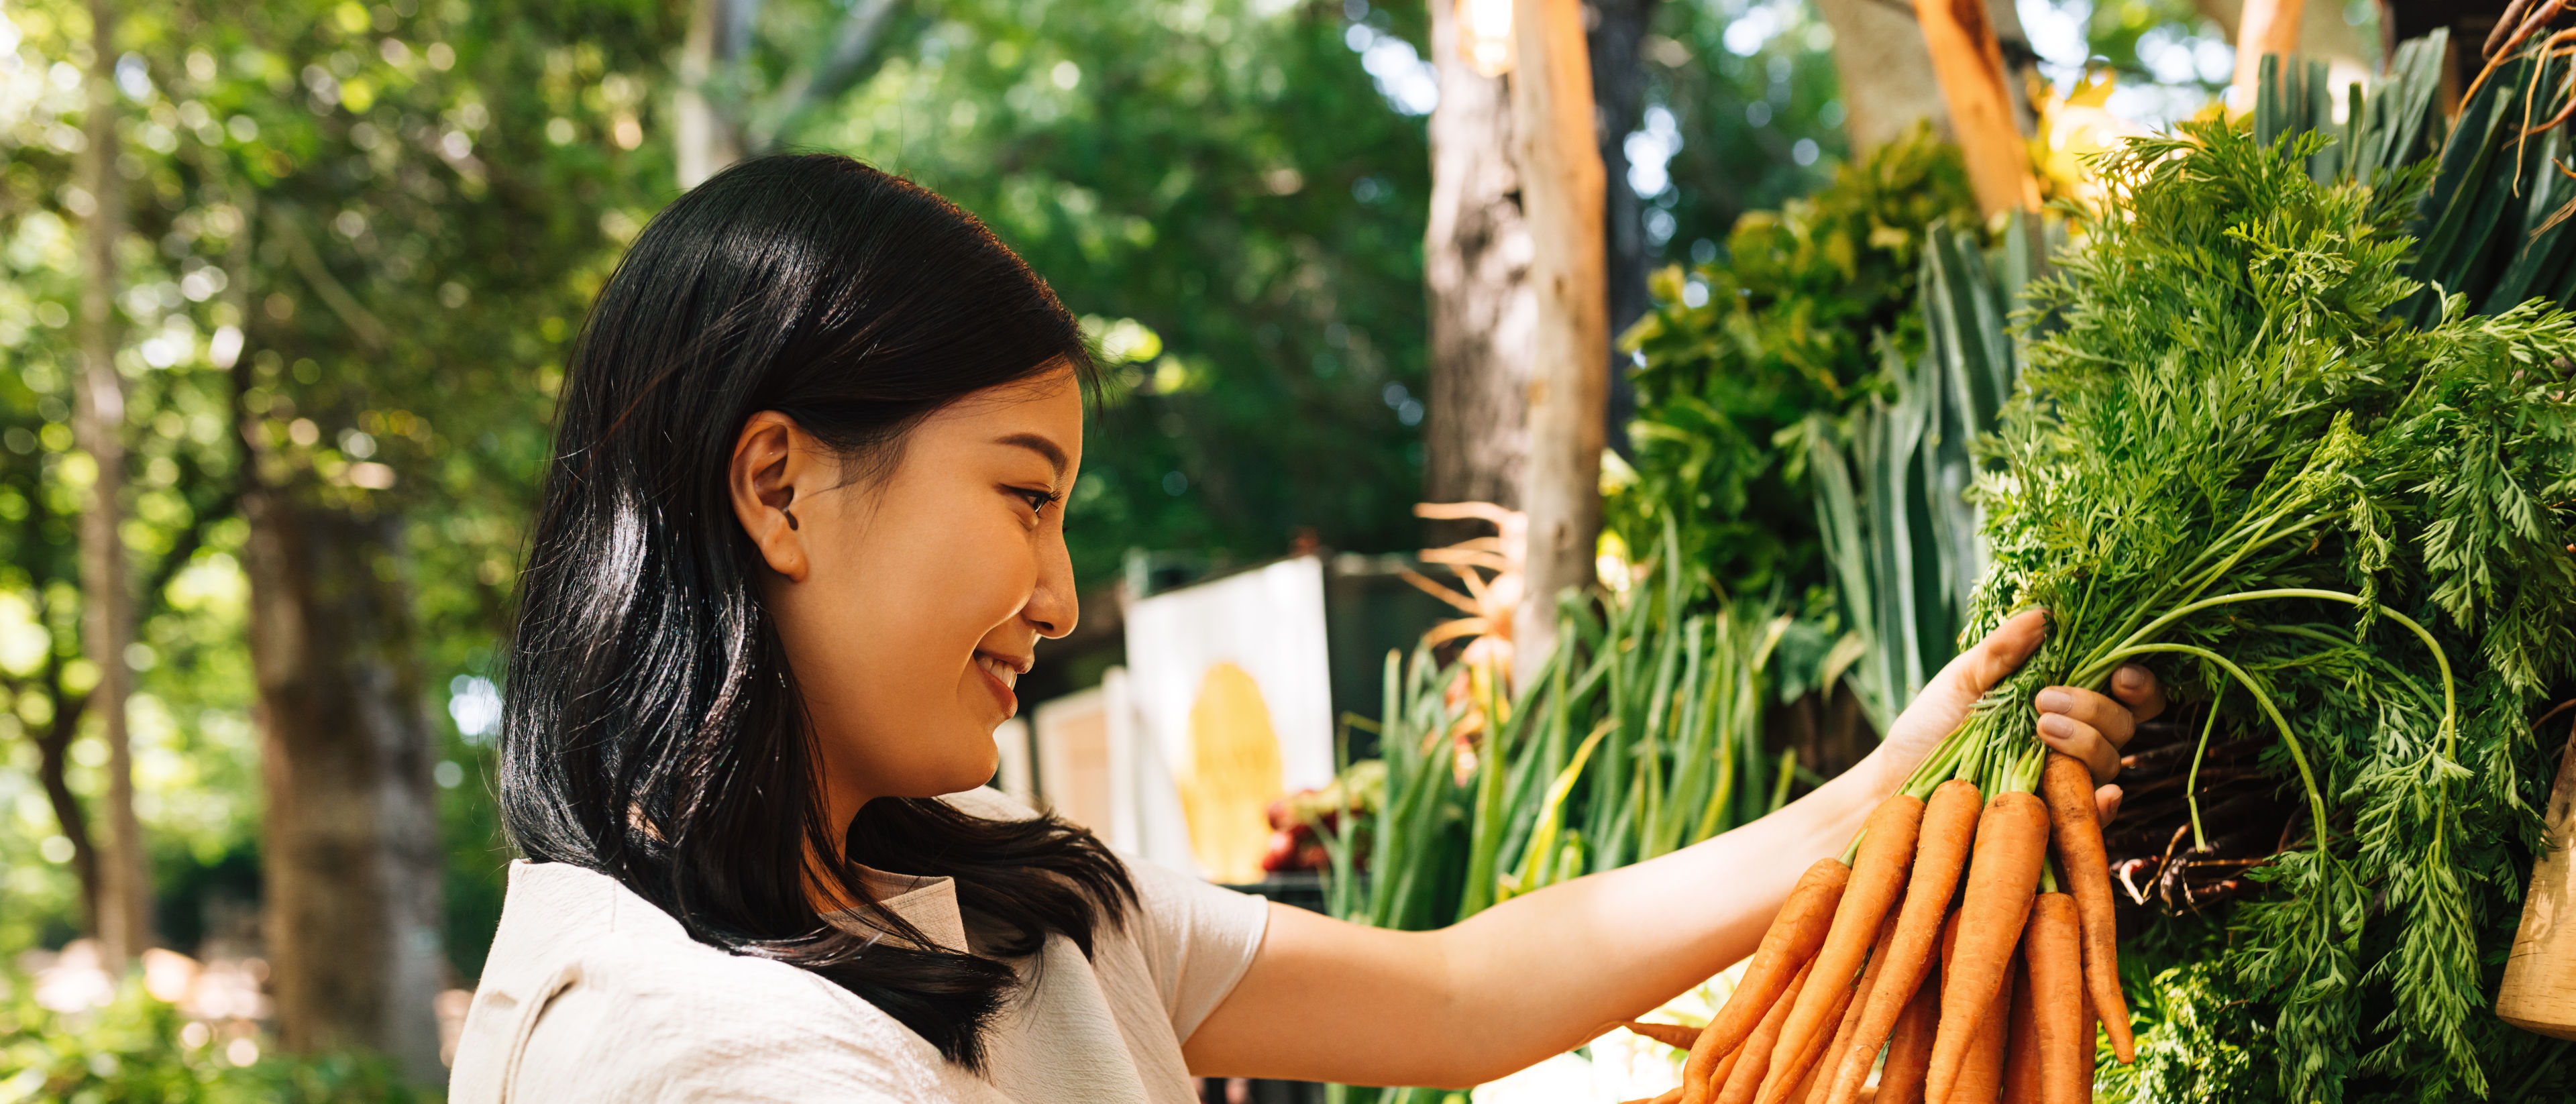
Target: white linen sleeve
x,y
1198,939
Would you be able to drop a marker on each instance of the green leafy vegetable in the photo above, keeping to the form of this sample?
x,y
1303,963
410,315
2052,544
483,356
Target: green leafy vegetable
x,y
2233,458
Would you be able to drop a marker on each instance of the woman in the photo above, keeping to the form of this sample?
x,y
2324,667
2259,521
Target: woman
x,y
803,531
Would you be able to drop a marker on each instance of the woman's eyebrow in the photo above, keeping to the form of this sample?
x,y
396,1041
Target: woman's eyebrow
x,y
1039,445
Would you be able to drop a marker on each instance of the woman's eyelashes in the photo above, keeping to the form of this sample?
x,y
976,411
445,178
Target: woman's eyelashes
x,y
1038,498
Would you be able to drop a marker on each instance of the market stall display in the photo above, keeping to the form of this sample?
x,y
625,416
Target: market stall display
x,y
2292,425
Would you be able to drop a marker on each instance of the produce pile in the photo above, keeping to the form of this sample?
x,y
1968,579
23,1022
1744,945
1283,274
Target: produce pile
x,y
1847,966
2230,455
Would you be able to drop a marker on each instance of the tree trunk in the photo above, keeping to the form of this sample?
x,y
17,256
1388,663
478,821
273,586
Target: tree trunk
x,y
1968,58
1562,192
53,761
707,127
1475,267
2322,34
1619,93
1886,70
2263,27
351,854
124,912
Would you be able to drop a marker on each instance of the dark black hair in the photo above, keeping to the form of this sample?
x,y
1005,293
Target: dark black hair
x,y
652,729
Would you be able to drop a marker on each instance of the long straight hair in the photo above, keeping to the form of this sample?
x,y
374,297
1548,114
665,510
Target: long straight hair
x,y
652,729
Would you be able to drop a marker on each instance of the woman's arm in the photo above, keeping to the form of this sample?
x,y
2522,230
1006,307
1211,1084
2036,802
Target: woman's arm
x,y
1326,1000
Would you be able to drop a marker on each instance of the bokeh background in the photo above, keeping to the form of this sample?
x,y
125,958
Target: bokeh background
x,y
292,282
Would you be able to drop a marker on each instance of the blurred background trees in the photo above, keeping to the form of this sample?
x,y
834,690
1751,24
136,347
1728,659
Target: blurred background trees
x,y
350,242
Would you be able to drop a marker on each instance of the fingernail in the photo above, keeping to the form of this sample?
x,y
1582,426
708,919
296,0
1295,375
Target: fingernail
x,y
2050,724
2053,700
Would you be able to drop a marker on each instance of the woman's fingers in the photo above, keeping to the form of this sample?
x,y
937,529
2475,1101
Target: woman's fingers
x,y
2106,803
2137,688
2082,741
1946,700
2096,713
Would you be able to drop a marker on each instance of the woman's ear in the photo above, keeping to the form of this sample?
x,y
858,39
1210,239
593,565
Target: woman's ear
x,y
771,458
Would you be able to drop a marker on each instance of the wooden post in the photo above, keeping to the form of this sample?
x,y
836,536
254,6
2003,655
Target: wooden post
x,y
2266,27
1970,65
2539,991
1561,191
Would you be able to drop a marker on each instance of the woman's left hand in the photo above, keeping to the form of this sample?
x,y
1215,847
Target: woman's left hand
x,y
2086,724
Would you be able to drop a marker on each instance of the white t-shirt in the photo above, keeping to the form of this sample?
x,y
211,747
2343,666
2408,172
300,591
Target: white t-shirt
x,y
593,994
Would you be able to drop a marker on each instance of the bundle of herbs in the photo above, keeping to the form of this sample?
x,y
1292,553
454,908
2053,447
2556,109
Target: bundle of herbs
x,y
2232,457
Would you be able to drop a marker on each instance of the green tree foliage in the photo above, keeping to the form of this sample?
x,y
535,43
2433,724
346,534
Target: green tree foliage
x,y
1223,190
1756,111
366,232
1739,352
379,225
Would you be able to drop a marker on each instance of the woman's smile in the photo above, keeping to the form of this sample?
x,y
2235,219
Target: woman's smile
x,y
1001,675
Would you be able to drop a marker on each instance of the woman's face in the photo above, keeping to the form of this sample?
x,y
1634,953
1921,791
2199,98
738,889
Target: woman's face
x,y
911,595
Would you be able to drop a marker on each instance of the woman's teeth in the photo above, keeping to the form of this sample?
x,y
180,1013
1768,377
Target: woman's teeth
x,y
1009,675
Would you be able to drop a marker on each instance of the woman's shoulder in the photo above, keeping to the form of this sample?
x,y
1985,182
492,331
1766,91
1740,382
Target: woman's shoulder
x,y
592,993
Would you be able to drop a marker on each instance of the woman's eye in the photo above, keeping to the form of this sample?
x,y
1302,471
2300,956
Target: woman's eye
x,y
1038,500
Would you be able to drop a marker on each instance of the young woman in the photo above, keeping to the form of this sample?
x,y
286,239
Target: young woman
x,y
803,531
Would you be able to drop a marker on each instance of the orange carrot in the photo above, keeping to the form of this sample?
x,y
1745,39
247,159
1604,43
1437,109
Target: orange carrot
x,y
1755,1055
1724,1070
1909,1049
1878,875
1817,1070
2064,1033
2021,1039
1981,1075
1671,1035
2012,840
1845,1018
1949,830
2068,784
1835,1014
1794,936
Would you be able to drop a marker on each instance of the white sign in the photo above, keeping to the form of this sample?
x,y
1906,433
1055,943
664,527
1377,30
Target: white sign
x,y
1234,694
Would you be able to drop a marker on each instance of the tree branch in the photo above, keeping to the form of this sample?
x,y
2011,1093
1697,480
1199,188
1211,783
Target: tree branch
x,y
855,54
308,263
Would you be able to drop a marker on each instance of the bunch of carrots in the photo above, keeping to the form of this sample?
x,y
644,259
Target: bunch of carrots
x,y
2027,960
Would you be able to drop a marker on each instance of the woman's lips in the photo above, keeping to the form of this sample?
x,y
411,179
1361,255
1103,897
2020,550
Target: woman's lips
x,y
1000,675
